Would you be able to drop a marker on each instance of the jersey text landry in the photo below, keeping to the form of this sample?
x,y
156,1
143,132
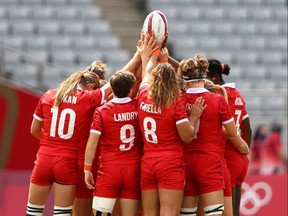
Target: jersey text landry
x,y
125,116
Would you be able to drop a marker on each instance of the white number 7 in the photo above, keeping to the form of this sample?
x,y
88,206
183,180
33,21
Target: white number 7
x,y
237,122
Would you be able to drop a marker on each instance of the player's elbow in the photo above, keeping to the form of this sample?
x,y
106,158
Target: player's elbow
x,y
187,140
186,132
35,133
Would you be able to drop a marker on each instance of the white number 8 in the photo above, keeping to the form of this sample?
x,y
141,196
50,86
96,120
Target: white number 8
x,y
150,134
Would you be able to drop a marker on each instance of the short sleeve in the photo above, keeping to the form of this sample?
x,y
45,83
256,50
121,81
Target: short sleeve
x,y
180,111
38,113
224,110
96,98
97,124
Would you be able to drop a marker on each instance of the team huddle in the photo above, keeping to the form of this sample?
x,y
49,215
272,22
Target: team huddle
x,y
160,138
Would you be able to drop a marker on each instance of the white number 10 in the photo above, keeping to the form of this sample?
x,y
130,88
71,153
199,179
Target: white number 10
x,y
61,124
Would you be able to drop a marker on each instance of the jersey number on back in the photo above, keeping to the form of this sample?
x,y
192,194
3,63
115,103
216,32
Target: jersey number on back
x,y
126,130
66,114
150,129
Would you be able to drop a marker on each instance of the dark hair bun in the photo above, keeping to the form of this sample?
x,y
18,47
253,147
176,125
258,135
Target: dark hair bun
x,y
216,67
226,69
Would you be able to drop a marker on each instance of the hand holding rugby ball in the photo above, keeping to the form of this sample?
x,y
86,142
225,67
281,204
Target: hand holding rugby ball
x,y
156,22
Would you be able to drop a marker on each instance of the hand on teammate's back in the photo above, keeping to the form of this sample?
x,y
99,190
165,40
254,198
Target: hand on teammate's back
x,y
198,107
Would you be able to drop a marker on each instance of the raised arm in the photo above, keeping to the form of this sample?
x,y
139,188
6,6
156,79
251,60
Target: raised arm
x,y
133,64
149,56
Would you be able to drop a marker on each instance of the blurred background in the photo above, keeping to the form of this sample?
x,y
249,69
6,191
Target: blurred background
x,y
43,41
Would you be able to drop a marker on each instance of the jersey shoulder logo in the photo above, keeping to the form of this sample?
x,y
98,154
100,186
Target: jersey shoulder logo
x,y
238,101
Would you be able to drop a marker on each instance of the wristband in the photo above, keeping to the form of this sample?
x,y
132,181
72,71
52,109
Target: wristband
x,y
155,52
165,61
87,167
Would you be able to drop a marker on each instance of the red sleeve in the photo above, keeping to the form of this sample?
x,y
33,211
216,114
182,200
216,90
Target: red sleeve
x,y
44,98
180,110
96,98
224,111
97,121
143,89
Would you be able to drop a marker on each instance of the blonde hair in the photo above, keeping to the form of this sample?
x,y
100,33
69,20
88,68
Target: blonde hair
x,y
210,86
102,82
165,88
69,86
99,68
193,68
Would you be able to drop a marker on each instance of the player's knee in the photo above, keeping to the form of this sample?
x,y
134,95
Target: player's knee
x,y
103,205
214,209
62,211
188,211
34,210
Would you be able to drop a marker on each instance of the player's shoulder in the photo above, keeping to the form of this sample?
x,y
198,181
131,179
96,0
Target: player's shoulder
x,y
48,96
50,92
91,93
104,106
134,101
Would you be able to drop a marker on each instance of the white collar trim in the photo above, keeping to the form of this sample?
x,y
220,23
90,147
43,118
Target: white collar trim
x,y
230,85
121,100
196,90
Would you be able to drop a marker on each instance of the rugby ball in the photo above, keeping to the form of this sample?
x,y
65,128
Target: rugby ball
x,y
156,22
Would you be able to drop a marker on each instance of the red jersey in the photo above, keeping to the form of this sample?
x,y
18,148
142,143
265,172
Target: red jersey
x,y
117,123
66,126
238,110
209,135
158,127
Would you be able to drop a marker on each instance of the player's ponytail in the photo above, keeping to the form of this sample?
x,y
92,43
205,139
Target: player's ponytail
x,y
225,68
216,67
69,86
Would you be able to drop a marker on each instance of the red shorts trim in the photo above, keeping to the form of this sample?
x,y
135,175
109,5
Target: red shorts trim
x,y
49,169
166,172
204,174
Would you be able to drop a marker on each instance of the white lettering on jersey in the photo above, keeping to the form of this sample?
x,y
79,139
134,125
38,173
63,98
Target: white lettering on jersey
x,y
125,116
149,108
238,101
70,99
